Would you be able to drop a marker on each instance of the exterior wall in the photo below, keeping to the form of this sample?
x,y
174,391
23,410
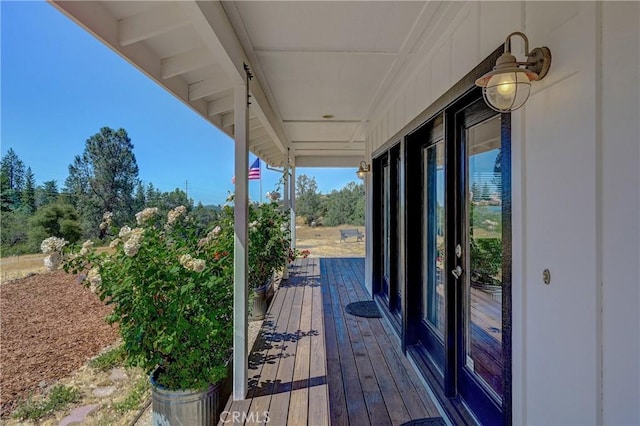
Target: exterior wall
x,y
620,218
576,198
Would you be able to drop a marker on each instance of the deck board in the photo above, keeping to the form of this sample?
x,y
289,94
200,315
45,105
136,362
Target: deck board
x,y
315,364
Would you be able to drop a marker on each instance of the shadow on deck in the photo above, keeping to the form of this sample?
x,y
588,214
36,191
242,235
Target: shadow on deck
x,y
315,364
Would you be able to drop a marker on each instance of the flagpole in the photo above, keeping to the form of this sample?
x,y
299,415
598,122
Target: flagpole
x,y
261,183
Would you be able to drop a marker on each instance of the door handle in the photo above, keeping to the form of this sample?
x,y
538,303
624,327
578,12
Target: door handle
x,y
457,272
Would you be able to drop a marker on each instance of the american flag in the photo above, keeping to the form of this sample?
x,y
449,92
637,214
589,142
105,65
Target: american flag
x,y
254,170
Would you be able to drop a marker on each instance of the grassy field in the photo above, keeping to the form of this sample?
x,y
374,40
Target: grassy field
x,y
321,241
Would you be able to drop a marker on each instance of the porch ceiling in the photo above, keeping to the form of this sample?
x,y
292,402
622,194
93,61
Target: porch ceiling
x,y
310,60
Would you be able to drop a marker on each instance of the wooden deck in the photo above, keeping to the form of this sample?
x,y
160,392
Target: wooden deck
x,y
315,364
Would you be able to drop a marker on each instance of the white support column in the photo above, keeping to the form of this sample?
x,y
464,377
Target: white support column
x,y
286,205
292,189
240,250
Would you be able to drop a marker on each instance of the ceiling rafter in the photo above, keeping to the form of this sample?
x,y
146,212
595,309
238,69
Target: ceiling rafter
x,y
263,140
220,106
185,62
209,87
211,22
159,20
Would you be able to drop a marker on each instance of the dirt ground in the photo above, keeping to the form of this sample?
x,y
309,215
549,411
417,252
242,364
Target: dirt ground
x,y
325,241
50,326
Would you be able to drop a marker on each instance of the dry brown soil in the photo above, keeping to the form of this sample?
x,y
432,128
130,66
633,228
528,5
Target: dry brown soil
x,y
50,325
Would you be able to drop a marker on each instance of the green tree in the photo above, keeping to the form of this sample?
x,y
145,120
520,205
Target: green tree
x,y
47,193
28,196
13,232
346,206
12,177
475,191
307,198
103,179
54,220
139,199
486,192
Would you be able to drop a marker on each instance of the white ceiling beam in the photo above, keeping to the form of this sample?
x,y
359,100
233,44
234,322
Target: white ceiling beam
x,y
358,146
264,142
220,106
329,152
262,131
208,87
275,52
185,62
254,123
268,152
151,23
211,22
328,161
227,120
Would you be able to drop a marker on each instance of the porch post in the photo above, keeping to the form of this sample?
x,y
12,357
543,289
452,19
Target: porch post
x,y
240,249
292,189
286,205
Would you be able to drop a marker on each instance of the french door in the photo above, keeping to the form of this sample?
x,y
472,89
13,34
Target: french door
x,y
389,289
479,269
462,210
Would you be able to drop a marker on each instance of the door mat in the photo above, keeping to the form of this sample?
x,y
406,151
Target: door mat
x,y
364,308
429,421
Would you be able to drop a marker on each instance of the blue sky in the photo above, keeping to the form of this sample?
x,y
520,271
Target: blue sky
x,y
60,85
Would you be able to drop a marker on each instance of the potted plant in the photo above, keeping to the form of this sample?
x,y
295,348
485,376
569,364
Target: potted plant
x,y
269,246
171,289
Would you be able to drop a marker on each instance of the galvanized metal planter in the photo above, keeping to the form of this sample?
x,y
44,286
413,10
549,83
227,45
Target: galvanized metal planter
x,y
184,407
261,297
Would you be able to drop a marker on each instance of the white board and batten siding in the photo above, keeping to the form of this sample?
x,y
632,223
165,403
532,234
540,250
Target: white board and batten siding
x,y
576,197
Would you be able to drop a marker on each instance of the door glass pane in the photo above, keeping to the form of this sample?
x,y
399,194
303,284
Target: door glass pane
x,y
484,244
433,236
387,221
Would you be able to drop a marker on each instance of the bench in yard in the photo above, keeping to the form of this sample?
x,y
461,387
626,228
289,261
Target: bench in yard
x,y
346,233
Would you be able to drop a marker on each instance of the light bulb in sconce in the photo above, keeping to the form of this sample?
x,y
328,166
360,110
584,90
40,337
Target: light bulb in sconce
x,y
506,88
363,170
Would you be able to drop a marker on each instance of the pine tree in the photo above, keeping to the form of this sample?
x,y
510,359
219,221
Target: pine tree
x,y
28,196
11,180
103,179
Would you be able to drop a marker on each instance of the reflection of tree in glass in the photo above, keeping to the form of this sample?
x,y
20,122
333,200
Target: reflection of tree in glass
x,y
486,260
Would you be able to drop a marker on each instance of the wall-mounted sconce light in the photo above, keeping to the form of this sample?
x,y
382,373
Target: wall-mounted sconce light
x,y
507,87
363,170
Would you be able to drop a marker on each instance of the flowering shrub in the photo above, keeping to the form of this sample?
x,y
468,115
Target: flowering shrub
x,y
295,253
171,289
52,247
269,238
